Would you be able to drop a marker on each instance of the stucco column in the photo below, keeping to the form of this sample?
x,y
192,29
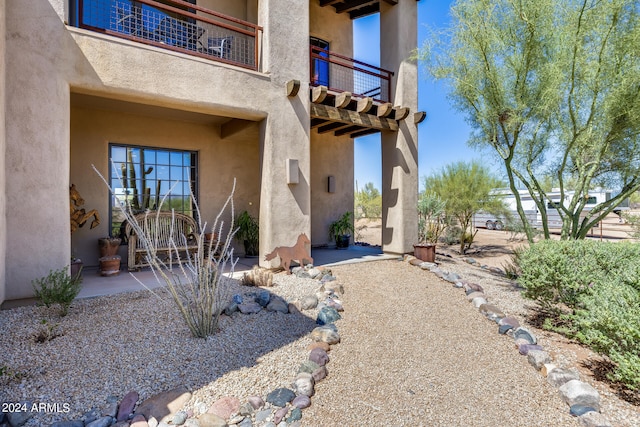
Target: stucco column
x,y
398,30
285,206
3,217
37,146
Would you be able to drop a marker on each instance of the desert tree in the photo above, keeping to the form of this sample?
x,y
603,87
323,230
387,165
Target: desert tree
x,y
369,201
553,88
466,189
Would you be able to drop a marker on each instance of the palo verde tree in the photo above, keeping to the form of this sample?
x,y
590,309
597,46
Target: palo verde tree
x,y
465,188
369,201
553,87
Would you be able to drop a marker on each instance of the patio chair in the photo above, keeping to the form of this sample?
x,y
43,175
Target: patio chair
x,y
132,22
217,46
178,33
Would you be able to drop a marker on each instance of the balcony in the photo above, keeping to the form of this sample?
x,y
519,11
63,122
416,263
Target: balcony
x,y
342,74
174,25
350,97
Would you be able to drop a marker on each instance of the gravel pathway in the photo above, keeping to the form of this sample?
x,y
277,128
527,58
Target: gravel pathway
x,y
414,352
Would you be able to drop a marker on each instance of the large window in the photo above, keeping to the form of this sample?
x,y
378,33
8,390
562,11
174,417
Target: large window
x,y
141,176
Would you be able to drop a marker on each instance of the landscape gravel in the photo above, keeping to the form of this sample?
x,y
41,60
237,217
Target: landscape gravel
x,y
413,352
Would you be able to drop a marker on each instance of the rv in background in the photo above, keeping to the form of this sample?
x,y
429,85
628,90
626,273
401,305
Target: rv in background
x,y
493,222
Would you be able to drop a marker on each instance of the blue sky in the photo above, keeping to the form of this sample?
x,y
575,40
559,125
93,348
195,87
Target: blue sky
x,y
442,137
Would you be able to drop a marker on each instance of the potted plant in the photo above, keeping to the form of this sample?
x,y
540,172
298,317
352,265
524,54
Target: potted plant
x,y
248,233
341,230
431,224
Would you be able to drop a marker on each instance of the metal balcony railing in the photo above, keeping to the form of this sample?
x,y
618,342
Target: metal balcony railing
x,y
342,74
175,25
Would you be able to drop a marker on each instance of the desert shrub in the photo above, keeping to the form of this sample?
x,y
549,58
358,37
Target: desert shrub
x,y
557,273
58,287
609,322
590,291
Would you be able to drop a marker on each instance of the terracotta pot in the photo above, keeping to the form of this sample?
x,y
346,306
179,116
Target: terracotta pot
x,y
425,252
110,265
76,268
109,246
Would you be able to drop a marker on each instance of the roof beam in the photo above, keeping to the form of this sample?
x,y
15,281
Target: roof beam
x,y
352,117
324,3
317,122
364,11
349,5
363,133
347,130
392,2
332,126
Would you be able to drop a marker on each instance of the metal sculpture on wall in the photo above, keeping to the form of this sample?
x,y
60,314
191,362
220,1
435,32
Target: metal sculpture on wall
x,y
79,215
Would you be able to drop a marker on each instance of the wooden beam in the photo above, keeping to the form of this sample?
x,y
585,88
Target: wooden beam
x,y
352,117
419,117
349,5
363,133
343,99
401,113
318,94
364,105
392,2
365,11
331,127
293,86
317,122
384,110
349,129
324,3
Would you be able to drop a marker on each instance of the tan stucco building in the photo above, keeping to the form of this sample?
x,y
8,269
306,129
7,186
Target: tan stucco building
x,y
209,91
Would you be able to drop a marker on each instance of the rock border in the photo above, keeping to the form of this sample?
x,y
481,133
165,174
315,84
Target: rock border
x,y
583,400
281,407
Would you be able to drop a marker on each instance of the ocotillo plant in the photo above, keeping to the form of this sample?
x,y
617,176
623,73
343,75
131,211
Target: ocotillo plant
x,y
198,284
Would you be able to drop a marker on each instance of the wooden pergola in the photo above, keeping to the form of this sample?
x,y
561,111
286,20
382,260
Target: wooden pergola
x,y
344,114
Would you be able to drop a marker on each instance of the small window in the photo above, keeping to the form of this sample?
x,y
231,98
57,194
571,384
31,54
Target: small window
x,y
141,176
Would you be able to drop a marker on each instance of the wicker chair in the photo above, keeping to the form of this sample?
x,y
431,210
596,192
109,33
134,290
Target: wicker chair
x,y
164,229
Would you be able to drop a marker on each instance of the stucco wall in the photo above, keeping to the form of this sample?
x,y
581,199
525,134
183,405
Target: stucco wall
x,y
37,144
220,160
330,26
245,10
330,155
3,224
44,137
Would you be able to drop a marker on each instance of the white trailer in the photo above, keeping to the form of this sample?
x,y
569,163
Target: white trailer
x,y
493,222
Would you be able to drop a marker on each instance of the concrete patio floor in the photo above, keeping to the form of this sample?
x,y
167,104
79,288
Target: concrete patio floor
x,y
94,285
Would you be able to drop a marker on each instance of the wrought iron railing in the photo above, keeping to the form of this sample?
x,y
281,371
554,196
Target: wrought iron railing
x,y
342,74
176,25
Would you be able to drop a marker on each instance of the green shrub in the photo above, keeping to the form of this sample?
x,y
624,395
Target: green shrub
x,y
557,273
594,289
58,287
609,322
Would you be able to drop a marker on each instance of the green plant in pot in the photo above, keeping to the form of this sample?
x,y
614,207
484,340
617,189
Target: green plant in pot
x,y
248,233
431,225
341,230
